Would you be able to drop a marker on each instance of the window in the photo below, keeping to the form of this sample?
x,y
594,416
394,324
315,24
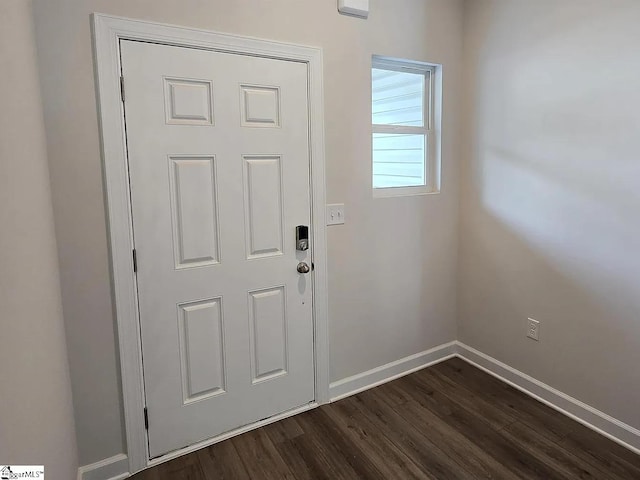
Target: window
x,y
402,116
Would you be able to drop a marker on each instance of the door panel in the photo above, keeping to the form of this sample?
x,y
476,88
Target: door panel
x,y
268,333
263,205
219,170
194,210
201,349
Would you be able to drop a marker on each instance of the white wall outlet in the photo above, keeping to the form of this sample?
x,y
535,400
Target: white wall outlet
x,y
533,329
335,214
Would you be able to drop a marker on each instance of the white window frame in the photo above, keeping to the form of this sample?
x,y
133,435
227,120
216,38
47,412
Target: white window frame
x,y
431,128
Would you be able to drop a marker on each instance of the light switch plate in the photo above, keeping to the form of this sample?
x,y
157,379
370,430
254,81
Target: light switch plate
x,y
357,8
533,329
335,214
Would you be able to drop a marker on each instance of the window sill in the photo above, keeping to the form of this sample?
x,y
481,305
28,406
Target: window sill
x,y
403,192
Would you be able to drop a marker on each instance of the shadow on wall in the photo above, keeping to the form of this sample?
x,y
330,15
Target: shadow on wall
x,y
584,228
551,212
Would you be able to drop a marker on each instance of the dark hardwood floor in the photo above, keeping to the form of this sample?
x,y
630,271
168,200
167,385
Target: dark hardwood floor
x,y
449,421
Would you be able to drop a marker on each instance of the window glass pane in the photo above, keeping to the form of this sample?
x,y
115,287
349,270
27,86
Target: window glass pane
x,y
398,98
398,160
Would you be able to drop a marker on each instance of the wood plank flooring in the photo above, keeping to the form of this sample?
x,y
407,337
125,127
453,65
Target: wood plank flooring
x,y
450,421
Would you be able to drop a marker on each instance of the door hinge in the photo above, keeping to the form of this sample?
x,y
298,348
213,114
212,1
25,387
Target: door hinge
x,y
146,419
122,88
135,261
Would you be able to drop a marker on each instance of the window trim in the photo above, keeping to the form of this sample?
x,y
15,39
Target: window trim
x,y
430,128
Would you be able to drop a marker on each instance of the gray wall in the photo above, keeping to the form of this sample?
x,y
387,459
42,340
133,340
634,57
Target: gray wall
x,y
36,415
550,204
392,267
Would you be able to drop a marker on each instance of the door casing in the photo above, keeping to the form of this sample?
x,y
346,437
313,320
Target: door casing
x,y
107,33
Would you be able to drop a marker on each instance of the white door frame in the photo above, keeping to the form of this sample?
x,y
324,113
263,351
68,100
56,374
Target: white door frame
x,y
107,33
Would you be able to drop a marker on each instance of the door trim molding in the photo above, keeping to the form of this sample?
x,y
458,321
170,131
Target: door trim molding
x,y
107,32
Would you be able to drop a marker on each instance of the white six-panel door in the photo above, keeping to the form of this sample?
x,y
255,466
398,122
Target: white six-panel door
x,y
218,148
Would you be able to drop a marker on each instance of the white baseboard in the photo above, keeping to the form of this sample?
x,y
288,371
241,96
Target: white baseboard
x,y
610,427
117,467
113,468
385,373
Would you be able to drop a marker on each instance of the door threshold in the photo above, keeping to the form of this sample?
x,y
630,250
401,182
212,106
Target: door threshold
x,y
231,433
